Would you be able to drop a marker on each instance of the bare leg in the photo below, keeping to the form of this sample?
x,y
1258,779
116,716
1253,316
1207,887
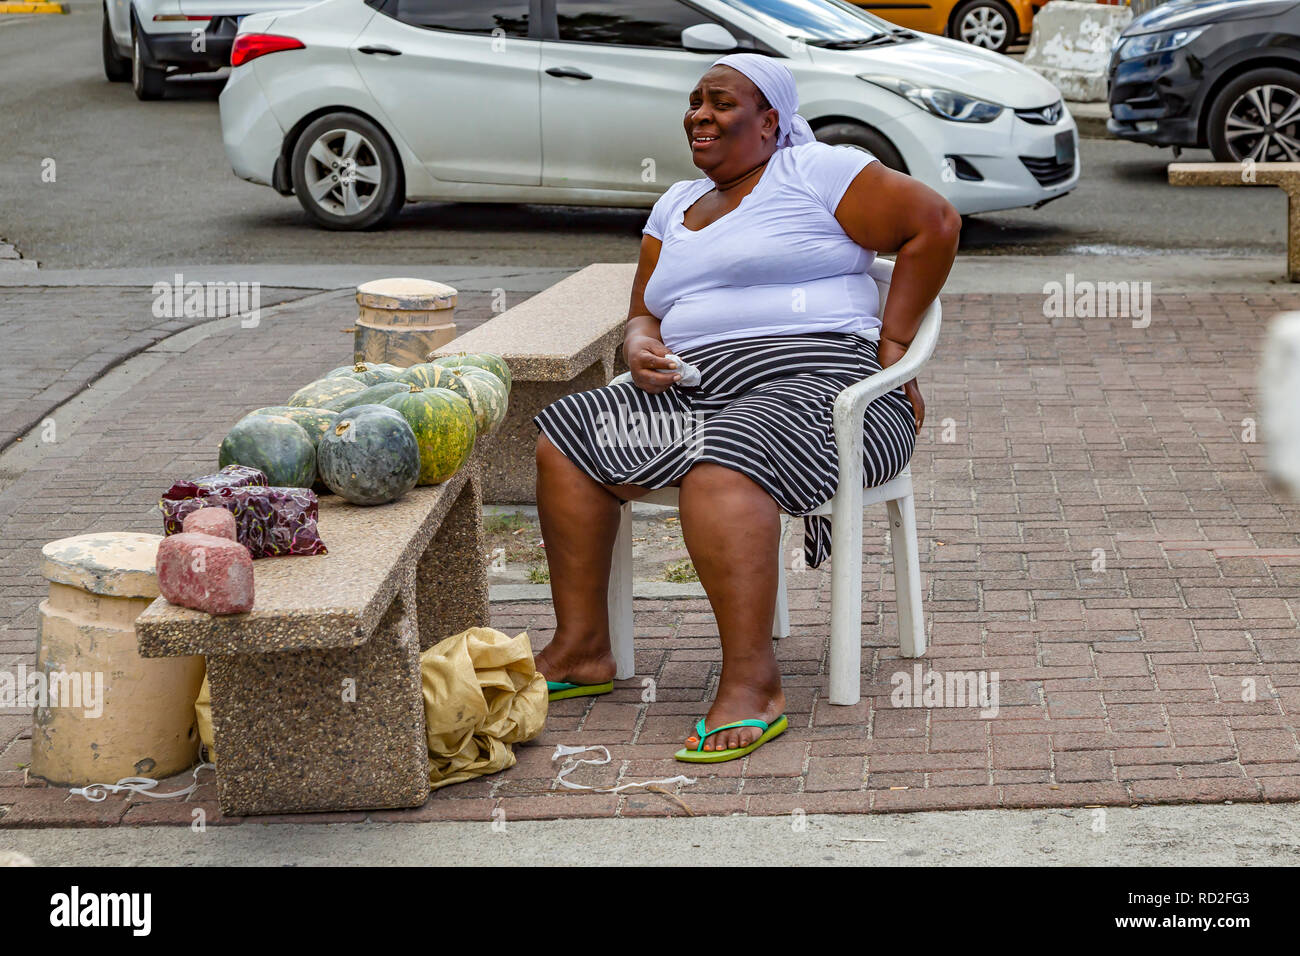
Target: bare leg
x,y
731,526
579,518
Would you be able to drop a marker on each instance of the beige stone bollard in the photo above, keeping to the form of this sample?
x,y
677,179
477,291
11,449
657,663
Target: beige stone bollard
x,y
403,320
108,713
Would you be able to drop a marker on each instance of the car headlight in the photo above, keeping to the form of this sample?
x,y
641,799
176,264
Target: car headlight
x,y
947,104
1130,48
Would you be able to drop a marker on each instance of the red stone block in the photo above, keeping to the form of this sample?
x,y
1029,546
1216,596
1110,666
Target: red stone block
x,y
206,573
217,522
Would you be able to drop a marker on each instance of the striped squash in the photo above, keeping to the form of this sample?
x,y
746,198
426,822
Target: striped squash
x,y
444,429
486,394
484,360
323,391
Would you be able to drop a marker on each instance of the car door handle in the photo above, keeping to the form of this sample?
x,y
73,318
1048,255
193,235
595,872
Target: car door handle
x,y
572,71
379,49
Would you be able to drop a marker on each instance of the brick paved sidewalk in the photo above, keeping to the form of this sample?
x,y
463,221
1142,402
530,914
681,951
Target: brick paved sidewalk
x,y
61,340
1073,442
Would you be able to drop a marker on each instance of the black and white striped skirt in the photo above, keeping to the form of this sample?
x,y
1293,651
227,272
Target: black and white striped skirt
x,y
763,407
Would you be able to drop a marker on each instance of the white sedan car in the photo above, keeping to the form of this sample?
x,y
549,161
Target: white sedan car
x,y
359,106
145,41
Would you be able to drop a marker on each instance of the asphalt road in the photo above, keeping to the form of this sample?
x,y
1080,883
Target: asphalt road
x,y
148,183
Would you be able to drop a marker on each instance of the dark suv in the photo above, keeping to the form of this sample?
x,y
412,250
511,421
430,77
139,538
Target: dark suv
x,y
1222,74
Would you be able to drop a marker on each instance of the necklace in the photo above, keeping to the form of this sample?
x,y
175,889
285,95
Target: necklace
x,y
740,179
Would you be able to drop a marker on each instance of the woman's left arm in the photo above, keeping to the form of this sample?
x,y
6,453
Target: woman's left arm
x,y
893,214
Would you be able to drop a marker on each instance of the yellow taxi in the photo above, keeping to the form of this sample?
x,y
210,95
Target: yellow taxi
x,y
992,24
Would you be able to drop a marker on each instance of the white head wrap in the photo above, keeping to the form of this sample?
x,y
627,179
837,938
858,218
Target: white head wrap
x,y
776,82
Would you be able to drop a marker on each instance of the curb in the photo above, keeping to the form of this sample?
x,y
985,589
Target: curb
x,y
36,7
1091,119
11,260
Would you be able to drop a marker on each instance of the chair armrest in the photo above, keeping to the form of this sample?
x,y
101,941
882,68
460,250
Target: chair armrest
x,y
851,404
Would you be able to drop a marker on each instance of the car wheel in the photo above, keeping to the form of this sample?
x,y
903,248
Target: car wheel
x,y
116,67
1257,116
985,23
863,137
147,81
346,173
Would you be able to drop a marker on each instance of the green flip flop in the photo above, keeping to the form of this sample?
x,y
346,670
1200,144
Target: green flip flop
x,y
559,690
700,755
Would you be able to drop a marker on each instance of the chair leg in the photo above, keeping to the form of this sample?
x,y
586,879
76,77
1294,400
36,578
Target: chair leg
x,y
781,620
846,592
620,597
907,576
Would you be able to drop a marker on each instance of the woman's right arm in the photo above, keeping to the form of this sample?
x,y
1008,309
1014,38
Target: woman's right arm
x,y
643,348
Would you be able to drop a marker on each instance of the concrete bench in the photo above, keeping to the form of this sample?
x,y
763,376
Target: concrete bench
x,y
1285,176
316,695
564,339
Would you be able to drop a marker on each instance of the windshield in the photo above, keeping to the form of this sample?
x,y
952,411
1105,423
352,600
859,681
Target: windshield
x,y
815,20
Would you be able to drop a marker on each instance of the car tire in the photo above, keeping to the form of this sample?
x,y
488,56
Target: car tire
x,y
147,81
324,192
863,137
990,24
116,66
1235,104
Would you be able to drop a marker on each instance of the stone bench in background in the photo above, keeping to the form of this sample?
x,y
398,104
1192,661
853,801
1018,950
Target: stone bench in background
x,y
1285,176
564,339
316,695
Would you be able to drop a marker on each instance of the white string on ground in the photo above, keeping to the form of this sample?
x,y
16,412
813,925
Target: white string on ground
x,y
98,792
570,765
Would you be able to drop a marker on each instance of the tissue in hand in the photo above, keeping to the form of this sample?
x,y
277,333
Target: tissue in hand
x,y
690,374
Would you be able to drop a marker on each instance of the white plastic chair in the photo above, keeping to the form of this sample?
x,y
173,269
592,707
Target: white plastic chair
x,y
845,509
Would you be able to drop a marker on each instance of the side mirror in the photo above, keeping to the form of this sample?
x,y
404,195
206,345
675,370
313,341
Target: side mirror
x,y
708,36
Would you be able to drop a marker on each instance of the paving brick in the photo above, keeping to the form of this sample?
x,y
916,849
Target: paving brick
x,y
1064,795
1202,790
1083,766
34,807
1021,752
834,773
1267,746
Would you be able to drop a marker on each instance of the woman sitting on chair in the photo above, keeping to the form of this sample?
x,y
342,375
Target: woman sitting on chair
x,y
754,276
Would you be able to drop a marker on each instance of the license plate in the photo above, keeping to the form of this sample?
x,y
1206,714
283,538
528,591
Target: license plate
x,y
1065,147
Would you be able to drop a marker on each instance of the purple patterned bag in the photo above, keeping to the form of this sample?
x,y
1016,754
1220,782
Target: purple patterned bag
x,y
232,476
269,522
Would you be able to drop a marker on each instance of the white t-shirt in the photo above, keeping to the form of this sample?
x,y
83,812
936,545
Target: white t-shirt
x,y
777,264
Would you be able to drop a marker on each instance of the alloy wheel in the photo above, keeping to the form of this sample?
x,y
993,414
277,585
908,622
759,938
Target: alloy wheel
x,y
1263,124
342,172
985,27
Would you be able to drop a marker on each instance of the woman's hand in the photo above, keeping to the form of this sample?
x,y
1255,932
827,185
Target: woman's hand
x,y
646,359
887,353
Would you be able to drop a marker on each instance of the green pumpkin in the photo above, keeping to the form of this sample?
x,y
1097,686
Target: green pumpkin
x,y
313,420
444,428
486,394
374,395
273,444
367,373
323,391
425,375
484,360
369,456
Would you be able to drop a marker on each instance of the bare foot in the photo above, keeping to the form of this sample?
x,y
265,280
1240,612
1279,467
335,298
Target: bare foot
x,y
576,660
750,691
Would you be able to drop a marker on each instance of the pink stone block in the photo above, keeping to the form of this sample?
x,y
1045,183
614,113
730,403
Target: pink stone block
x,y
214,521
206,573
